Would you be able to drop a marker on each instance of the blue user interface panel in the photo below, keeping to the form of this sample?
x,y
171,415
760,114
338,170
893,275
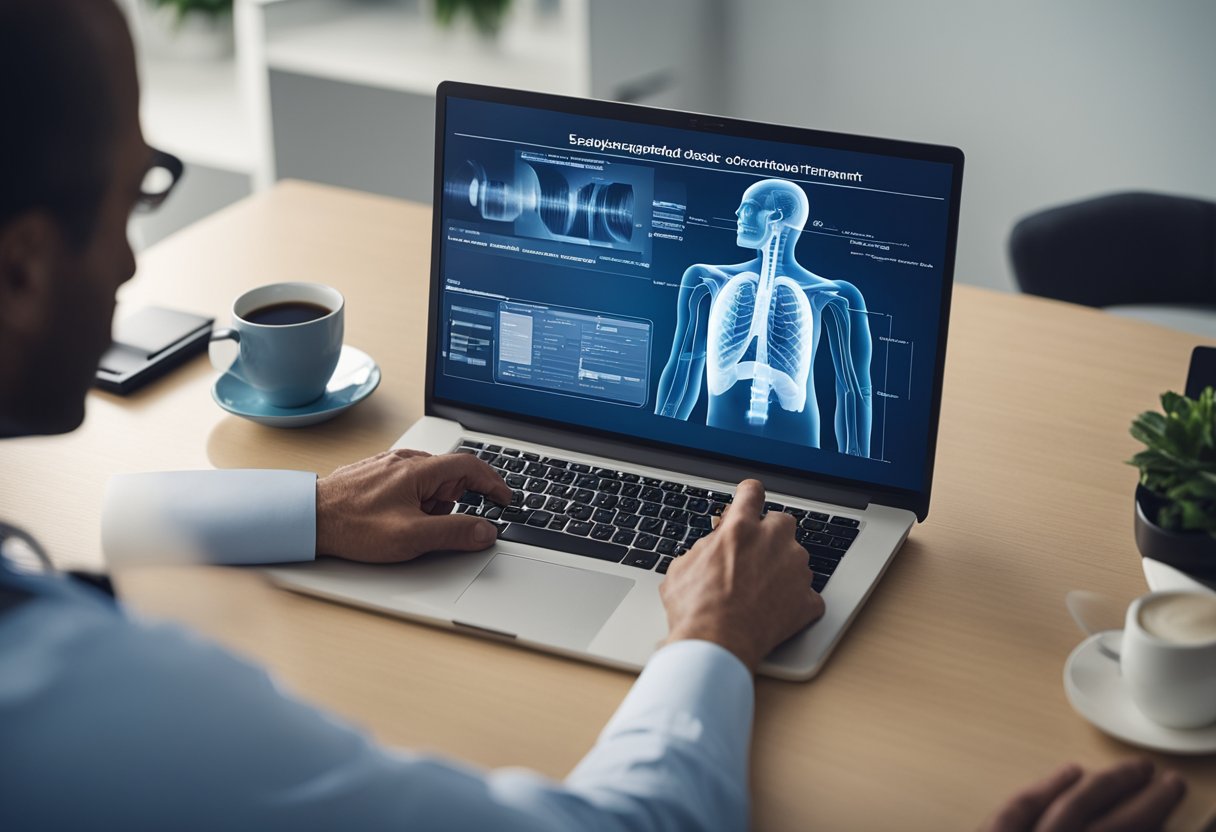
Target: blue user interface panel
x,y
764,301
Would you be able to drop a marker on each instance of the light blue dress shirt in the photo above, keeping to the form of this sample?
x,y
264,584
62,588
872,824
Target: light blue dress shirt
x,y
109,722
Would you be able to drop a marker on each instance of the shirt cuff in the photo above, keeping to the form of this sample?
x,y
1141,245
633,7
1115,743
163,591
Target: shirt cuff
x,y
232,517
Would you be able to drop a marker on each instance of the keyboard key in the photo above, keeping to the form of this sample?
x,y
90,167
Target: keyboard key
x,y
470,498
630,478
652,494
606,473
567,477
554,462
840,543
720,497
605,500
624,537
812,525
515,466
693,491
716,509
771,506
492,513
556,489
631,489
819,582
495,449
628,504
826,552
666,546
673,487
674,530
583,495
556,504
627,521
642,560
698,506
604,515
579,468
796,513
465,450
510,452
651,481
650,524
559,522
846,521
516,480
701,521
531,457
469,443
511,514
824,566
663,564
540,518
675,500
649,509
587,481
563,542
580,512
535,501
645,541
486,456
610,486
535,469
817,515
603,531
579,527
675,515
695,534
517,498
681,549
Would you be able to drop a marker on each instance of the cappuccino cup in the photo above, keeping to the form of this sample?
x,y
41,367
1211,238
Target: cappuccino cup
x,y
290,339
1168,657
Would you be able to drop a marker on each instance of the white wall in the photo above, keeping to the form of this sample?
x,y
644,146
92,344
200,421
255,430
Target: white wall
x,y
1050,101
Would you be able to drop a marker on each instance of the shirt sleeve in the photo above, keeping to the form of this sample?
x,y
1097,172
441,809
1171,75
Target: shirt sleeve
x,y
232,517
114,724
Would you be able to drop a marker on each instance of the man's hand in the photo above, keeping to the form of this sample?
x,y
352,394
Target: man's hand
x,y
1123,798
746,586
395,506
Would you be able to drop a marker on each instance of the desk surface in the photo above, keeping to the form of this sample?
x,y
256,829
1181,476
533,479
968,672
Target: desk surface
x,y
944,696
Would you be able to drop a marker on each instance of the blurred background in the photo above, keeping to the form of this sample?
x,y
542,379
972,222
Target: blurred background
x,y
1051,102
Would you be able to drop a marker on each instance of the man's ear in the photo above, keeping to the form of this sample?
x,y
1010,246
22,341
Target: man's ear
x,y
29,253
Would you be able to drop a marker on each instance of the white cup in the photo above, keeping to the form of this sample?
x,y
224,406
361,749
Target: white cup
x,y
1168,658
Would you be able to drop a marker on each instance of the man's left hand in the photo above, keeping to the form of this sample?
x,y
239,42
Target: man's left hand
x,y
396,506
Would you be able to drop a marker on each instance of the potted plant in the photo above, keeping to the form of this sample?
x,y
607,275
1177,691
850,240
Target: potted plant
x,y
1176,497
486,15
189,29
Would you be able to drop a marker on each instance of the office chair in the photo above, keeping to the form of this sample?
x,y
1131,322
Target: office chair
x,y
1150,256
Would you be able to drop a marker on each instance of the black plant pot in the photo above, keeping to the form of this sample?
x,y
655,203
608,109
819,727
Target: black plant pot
x,y
1190,552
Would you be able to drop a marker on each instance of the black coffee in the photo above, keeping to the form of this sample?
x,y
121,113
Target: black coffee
x,y
286,313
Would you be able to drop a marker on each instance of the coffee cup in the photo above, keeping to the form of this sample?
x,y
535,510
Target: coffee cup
x,y
290,339
1168,657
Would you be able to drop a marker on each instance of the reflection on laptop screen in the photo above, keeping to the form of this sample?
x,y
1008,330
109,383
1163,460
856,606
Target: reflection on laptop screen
x,y
763,301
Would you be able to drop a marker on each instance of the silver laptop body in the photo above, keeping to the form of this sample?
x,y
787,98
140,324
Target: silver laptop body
x,y
570,394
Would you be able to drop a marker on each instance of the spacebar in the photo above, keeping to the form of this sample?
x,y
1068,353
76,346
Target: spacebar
x,y
519,533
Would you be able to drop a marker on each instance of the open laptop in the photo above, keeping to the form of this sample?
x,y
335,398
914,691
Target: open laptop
x,y
632,309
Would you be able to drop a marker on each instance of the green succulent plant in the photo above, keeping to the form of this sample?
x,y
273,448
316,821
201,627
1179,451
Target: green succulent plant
x,y
487,15
1179,462
210,8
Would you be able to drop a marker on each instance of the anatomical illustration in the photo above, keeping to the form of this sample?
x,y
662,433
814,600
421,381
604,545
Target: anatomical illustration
x,y
756,326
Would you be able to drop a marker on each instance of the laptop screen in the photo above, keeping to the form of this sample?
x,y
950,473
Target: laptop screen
x,y
705,290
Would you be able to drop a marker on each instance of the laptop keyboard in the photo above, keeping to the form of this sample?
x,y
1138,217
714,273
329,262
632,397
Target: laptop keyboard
x,y
626,518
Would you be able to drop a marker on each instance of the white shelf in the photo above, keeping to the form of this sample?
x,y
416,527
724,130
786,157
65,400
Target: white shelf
x,y
399,49
194,110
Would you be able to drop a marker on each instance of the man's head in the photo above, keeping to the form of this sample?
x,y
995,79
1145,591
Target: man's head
x,y
72,159
768,207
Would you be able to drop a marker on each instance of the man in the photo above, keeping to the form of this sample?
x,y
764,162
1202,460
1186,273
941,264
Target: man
x,y
107,723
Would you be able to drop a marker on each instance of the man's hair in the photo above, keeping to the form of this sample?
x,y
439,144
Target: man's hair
x,y
56,112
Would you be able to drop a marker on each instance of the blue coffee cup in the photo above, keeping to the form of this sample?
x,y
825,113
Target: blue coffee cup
x,y
290,339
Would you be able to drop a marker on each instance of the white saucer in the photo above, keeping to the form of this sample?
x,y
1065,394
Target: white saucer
x,y
1095,691
354,379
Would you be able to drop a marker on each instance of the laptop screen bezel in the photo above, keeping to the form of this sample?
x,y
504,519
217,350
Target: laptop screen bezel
x,y
652,452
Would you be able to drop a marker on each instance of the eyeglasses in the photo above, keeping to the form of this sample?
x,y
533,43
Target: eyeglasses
x,y
162,175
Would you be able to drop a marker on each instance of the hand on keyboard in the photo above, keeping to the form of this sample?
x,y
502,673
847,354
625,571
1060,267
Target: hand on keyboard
x,y
746,586
396,506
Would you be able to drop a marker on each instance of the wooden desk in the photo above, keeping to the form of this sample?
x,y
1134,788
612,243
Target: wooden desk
x,y
944,696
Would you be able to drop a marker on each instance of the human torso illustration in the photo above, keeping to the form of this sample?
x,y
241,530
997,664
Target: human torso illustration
x,y
756,325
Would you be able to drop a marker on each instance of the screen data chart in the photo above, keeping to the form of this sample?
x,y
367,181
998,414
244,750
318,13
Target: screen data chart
x,y
767,302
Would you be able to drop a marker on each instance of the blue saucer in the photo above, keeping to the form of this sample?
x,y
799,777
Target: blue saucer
x,y
354,379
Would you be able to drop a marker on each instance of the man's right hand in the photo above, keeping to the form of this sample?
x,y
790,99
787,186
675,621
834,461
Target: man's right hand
x,y
745,587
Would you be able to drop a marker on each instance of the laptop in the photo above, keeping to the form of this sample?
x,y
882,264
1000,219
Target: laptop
x,y
632,309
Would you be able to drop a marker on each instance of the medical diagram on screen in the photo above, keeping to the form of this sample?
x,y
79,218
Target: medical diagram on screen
x,y
757,326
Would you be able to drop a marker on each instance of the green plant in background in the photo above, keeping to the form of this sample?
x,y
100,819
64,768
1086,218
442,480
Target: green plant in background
x,y
209,8
1179,463
487,15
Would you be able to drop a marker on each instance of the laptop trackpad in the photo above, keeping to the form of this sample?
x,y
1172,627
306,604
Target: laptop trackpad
x,y
559,605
